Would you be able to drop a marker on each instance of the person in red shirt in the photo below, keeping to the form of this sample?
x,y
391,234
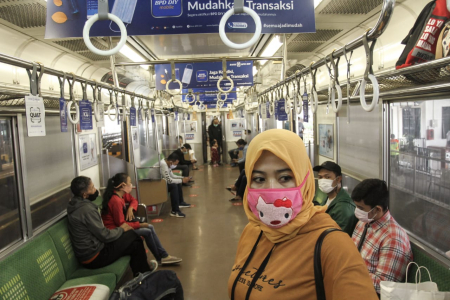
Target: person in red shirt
x,y
383,243
115,213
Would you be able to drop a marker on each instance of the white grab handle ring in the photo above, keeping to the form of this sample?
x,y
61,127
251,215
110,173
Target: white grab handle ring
x,y
252,41
376,93
299,106
223,91
339,103
123,35
96,112
287,105
77,112
219,96
169,91
110,115
315,101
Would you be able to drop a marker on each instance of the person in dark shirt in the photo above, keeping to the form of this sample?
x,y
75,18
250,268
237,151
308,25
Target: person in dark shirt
x,y
96,246
183,164
215,133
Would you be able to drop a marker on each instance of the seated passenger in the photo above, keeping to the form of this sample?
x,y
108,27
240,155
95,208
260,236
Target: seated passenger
x,y
115,213
174,185
275,254
234,153
183,164
383,244
238,189
191,156
339,204
94,245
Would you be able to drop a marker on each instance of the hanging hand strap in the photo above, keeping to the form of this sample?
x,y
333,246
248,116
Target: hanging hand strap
x,y
35,79
62,82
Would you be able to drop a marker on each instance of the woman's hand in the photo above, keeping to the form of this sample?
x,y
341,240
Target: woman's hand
x,y
144,225
130,214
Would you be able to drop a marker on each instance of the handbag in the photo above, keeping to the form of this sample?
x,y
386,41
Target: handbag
x,y
318,276
412,291
153,285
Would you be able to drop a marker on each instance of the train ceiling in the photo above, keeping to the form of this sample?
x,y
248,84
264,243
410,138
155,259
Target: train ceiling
x,y
334,18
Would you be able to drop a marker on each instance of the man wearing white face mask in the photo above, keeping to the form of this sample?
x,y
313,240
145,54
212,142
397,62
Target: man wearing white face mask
x,y
383,244
340,206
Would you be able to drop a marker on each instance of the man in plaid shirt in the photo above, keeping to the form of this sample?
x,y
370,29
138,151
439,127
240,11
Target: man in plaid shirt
x,y
383,244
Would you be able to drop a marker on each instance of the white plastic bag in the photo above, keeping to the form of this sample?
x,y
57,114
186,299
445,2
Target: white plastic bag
x,y
412,291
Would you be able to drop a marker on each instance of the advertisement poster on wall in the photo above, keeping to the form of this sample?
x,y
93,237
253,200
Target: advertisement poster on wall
x,y
191,126
204,75
157,17
88,151
35,112
85,115
326,140
190,137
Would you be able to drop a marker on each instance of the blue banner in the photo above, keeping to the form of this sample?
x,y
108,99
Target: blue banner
x,y
281,112
209,96
156,17
85,115
63,115
267,110
204,75
132,116
153,115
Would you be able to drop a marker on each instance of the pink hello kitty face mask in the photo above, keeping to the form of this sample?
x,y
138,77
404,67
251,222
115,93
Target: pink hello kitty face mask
x,y
276,207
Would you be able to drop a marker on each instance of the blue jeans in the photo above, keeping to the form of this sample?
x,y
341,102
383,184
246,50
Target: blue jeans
x,y
152,241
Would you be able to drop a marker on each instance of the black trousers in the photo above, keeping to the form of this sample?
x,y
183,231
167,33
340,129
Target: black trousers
x,y
241,166
176,196
233,154
184,170
241,184
129,243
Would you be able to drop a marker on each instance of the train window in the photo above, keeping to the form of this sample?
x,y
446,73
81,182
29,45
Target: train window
x,y
420,170
359,155
49,171
112,137
10,225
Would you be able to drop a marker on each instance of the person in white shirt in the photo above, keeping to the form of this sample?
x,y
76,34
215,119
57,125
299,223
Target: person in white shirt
x,y
174,185
191,156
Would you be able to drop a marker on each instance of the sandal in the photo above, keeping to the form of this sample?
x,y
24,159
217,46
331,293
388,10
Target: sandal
x,y
232,192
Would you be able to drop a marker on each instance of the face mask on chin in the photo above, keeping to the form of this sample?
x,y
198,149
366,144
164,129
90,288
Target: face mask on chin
x,y
215,125
363,216
173,167
326,185
93,196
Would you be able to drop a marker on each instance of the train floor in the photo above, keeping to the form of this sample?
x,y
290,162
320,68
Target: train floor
x,y
207,238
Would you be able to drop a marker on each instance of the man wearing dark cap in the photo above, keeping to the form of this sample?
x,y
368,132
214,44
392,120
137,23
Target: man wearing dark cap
x,y
341,207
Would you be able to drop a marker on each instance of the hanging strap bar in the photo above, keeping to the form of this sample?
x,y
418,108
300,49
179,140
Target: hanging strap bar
x,y
381,25
238,6
71,89
62,82
103,10
224,69
172,68
35,79
83,88
349,64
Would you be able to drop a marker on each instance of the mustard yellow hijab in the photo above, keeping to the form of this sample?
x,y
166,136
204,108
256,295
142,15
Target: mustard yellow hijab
x,y
290,148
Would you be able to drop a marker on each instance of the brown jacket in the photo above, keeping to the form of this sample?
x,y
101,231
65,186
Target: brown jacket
x,y
289,273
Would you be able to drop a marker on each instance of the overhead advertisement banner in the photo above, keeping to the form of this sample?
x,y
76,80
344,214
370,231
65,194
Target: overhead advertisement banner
x,y
204,75
209,96
156,17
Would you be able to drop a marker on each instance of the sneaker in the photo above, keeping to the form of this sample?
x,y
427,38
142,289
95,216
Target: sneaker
x,y
153,265
170,260
233,165
177,214
184,204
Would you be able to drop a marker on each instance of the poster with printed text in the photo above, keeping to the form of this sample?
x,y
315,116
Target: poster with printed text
x,y
35,112
87,151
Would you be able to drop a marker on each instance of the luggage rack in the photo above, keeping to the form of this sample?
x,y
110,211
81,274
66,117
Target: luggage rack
x,y
422,78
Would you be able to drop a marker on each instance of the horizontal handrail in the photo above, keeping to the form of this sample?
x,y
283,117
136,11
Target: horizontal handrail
x,y
381,25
